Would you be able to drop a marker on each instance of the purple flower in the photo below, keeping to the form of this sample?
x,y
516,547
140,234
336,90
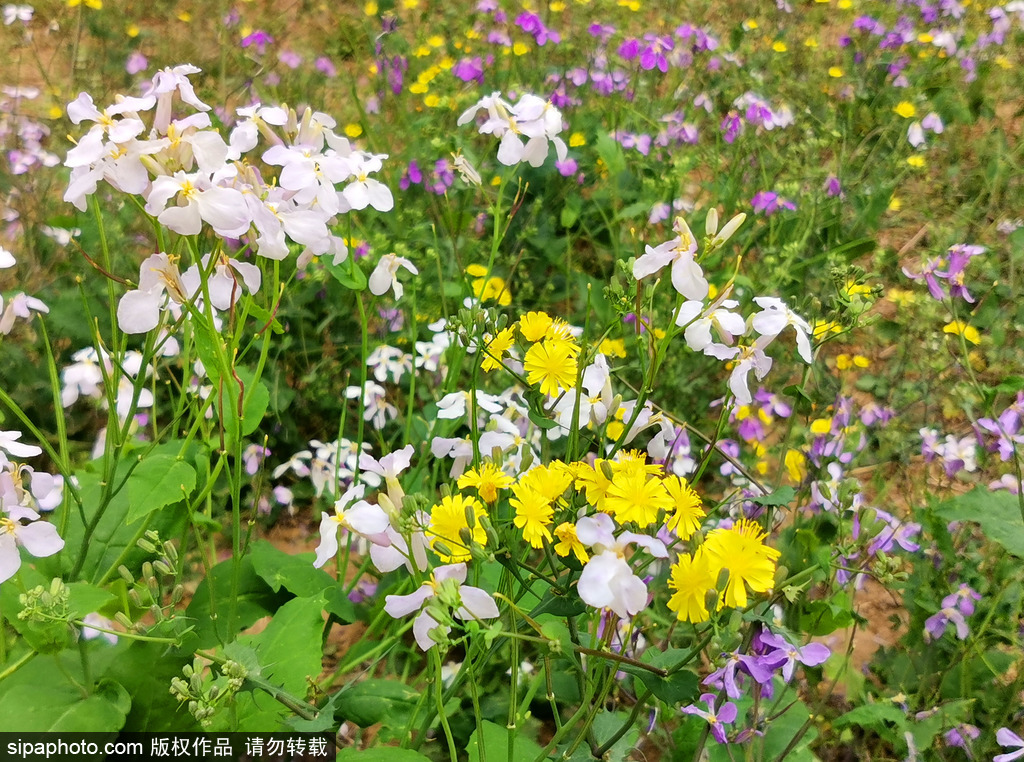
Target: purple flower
x,y
289,58
963,599
732,125
411,176
725,677
629,49
567,168
470,70
935,625
770,202
786,655
833,188
961,735
259,40
1006,737
724,715
136,62
324,65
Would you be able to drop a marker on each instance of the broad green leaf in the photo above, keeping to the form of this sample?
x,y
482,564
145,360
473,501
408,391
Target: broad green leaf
x,y
52,707
290,649
495,742
875,716
157,481
376,700
606,724
296,574
211,604
997,512
682,686
87,598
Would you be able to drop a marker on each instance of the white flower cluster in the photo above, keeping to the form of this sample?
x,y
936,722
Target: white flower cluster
x,y
24,493
532,118
186,173
704,320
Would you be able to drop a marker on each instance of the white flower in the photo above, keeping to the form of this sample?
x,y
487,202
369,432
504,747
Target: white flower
x,y
718,318
197,200
224,285
366,191
6,259
773,319
360,517
465,602
687,276
385,275
20,306
139,310
10,444
607,581
39,538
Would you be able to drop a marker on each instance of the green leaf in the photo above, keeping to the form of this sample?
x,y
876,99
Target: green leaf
x,y
349,274
679,687
559,605
87,598
997,512
208,611
607,724
376,700
495,745
265,318
611,154
257,399
296,574
48,707
826,616
874,716
290,648
781,496
571,211
158,480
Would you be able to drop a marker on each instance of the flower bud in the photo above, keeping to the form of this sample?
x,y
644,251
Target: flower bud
x,y
711,222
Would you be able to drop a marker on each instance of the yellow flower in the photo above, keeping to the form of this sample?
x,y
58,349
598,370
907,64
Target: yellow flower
x,y
476,270
520,49
496,350
895,204
917,161
612,347
594,481
796,465
353,130
448,520
534,325
742,552
779,46
550,481
569,543
533,515
132,30
633,497
432,101
370,9
688,509
823,327
835,72
821,426
691,578
576,140
487,481
959,327
905,109
491,288
435,41
94,4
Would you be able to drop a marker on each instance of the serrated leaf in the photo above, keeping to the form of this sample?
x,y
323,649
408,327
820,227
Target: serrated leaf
x,y
289,650
997,512
157,481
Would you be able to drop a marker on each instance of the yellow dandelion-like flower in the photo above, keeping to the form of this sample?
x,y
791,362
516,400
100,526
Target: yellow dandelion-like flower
x,y
594,481
688,508
779,46
568,542
959,327
534,325
520,48
432,101
630,462
492,288
742,552
577,139
448,521
906,109
635,498
435,41
821,426
476,270
533,515
550,480
552,365
916,161
487,481
691,578
835,72
353,130
496,350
